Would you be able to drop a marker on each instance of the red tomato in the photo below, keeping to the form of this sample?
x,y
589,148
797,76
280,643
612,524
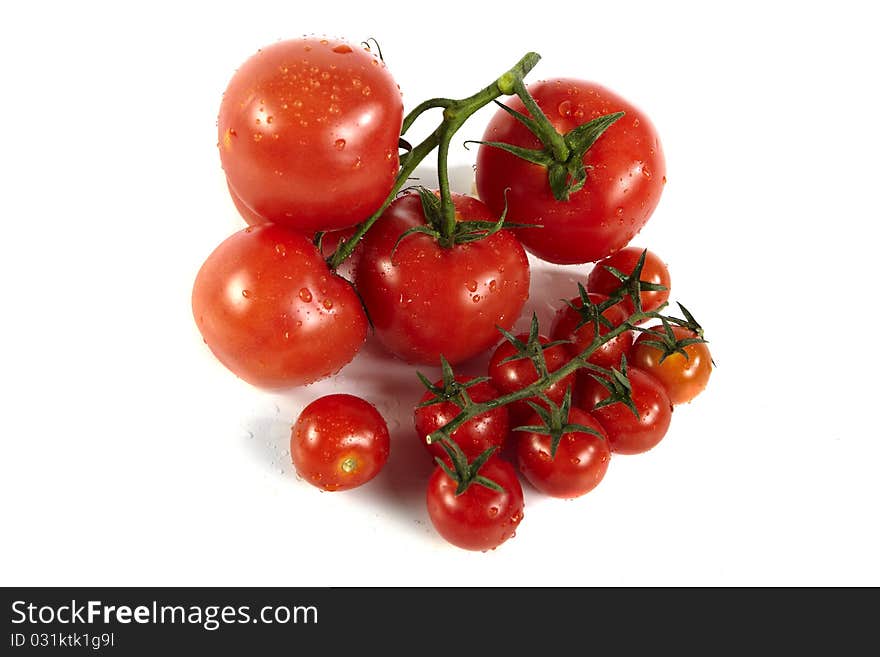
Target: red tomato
x,y
565,327
682,377
250,217
474,436
517,374
427,300
308,133
601,281
626,172
628,434
580,462
339,442
480,518
272,312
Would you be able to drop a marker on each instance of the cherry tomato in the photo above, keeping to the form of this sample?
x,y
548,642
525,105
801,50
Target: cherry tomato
x,y
654,271
339,442
480,518
272,312
580,462
474,436
682,377
565,327
517,374
628,434
427,300
626,172
308,133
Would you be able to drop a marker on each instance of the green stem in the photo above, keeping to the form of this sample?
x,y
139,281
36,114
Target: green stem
x,y
455,113
547,133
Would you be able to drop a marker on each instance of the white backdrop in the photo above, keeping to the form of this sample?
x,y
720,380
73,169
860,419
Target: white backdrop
x,y
130,456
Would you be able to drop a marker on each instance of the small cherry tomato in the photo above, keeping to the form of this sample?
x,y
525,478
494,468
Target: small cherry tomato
x,y
474,436
579,464
339,442
683,377
628,434
654,271
567,325
308,133
272,312
516,374
480,518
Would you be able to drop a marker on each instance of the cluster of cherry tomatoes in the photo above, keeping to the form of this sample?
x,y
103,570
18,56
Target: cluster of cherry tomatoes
x,y
310,139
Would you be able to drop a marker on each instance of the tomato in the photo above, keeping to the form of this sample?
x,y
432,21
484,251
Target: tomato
x,y
628,434
480,518
626,172
308,133
428,300
516,374
654,271
272,312
339,442
474,436
565,327
683,377
579,464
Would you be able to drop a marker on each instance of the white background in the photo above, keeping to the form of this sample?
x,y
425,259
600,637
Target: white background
x,y
130,456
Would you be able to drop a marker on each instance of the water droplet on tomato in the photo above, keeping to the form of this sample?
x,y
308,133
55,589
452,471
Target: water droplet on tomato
x,y
246,294
340,144
476,298
328,303
280,249
325,75
357,164
575,461
664,180
493,285
646,172
269,119
471,285
564,108
493,511
333,109
366,91
619,212
307,48
342,49
305,294
389,155
324,42
287,335
375,62
297,103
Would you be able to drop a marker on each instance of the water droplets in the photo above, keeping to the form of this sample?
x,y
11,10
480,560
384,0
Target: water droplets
x,y
471,286
339,144
327,303
493,511
305,294
281,250
247,294
476,298
333,109
358,163
341,49
366,91
564,108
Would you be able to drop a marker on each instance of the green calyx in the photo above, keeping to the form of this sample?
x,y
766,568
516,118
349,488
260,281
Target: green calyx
x,y
561,155
450,389
463,472
554,421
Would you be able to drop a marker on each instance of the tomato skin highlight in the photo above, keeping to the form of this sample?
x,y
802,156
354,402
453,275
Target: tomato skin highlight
x,y
308,133
272,312
475,436
517,374
625,176
339,442
426,300
682,378
480,518
580,463
626,433
654,270
565,327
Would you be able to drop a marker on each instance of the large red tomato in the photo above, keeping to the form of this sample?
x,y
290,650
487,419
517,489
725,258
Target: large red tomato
x,y
626,172
308,133
270,309
426,300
